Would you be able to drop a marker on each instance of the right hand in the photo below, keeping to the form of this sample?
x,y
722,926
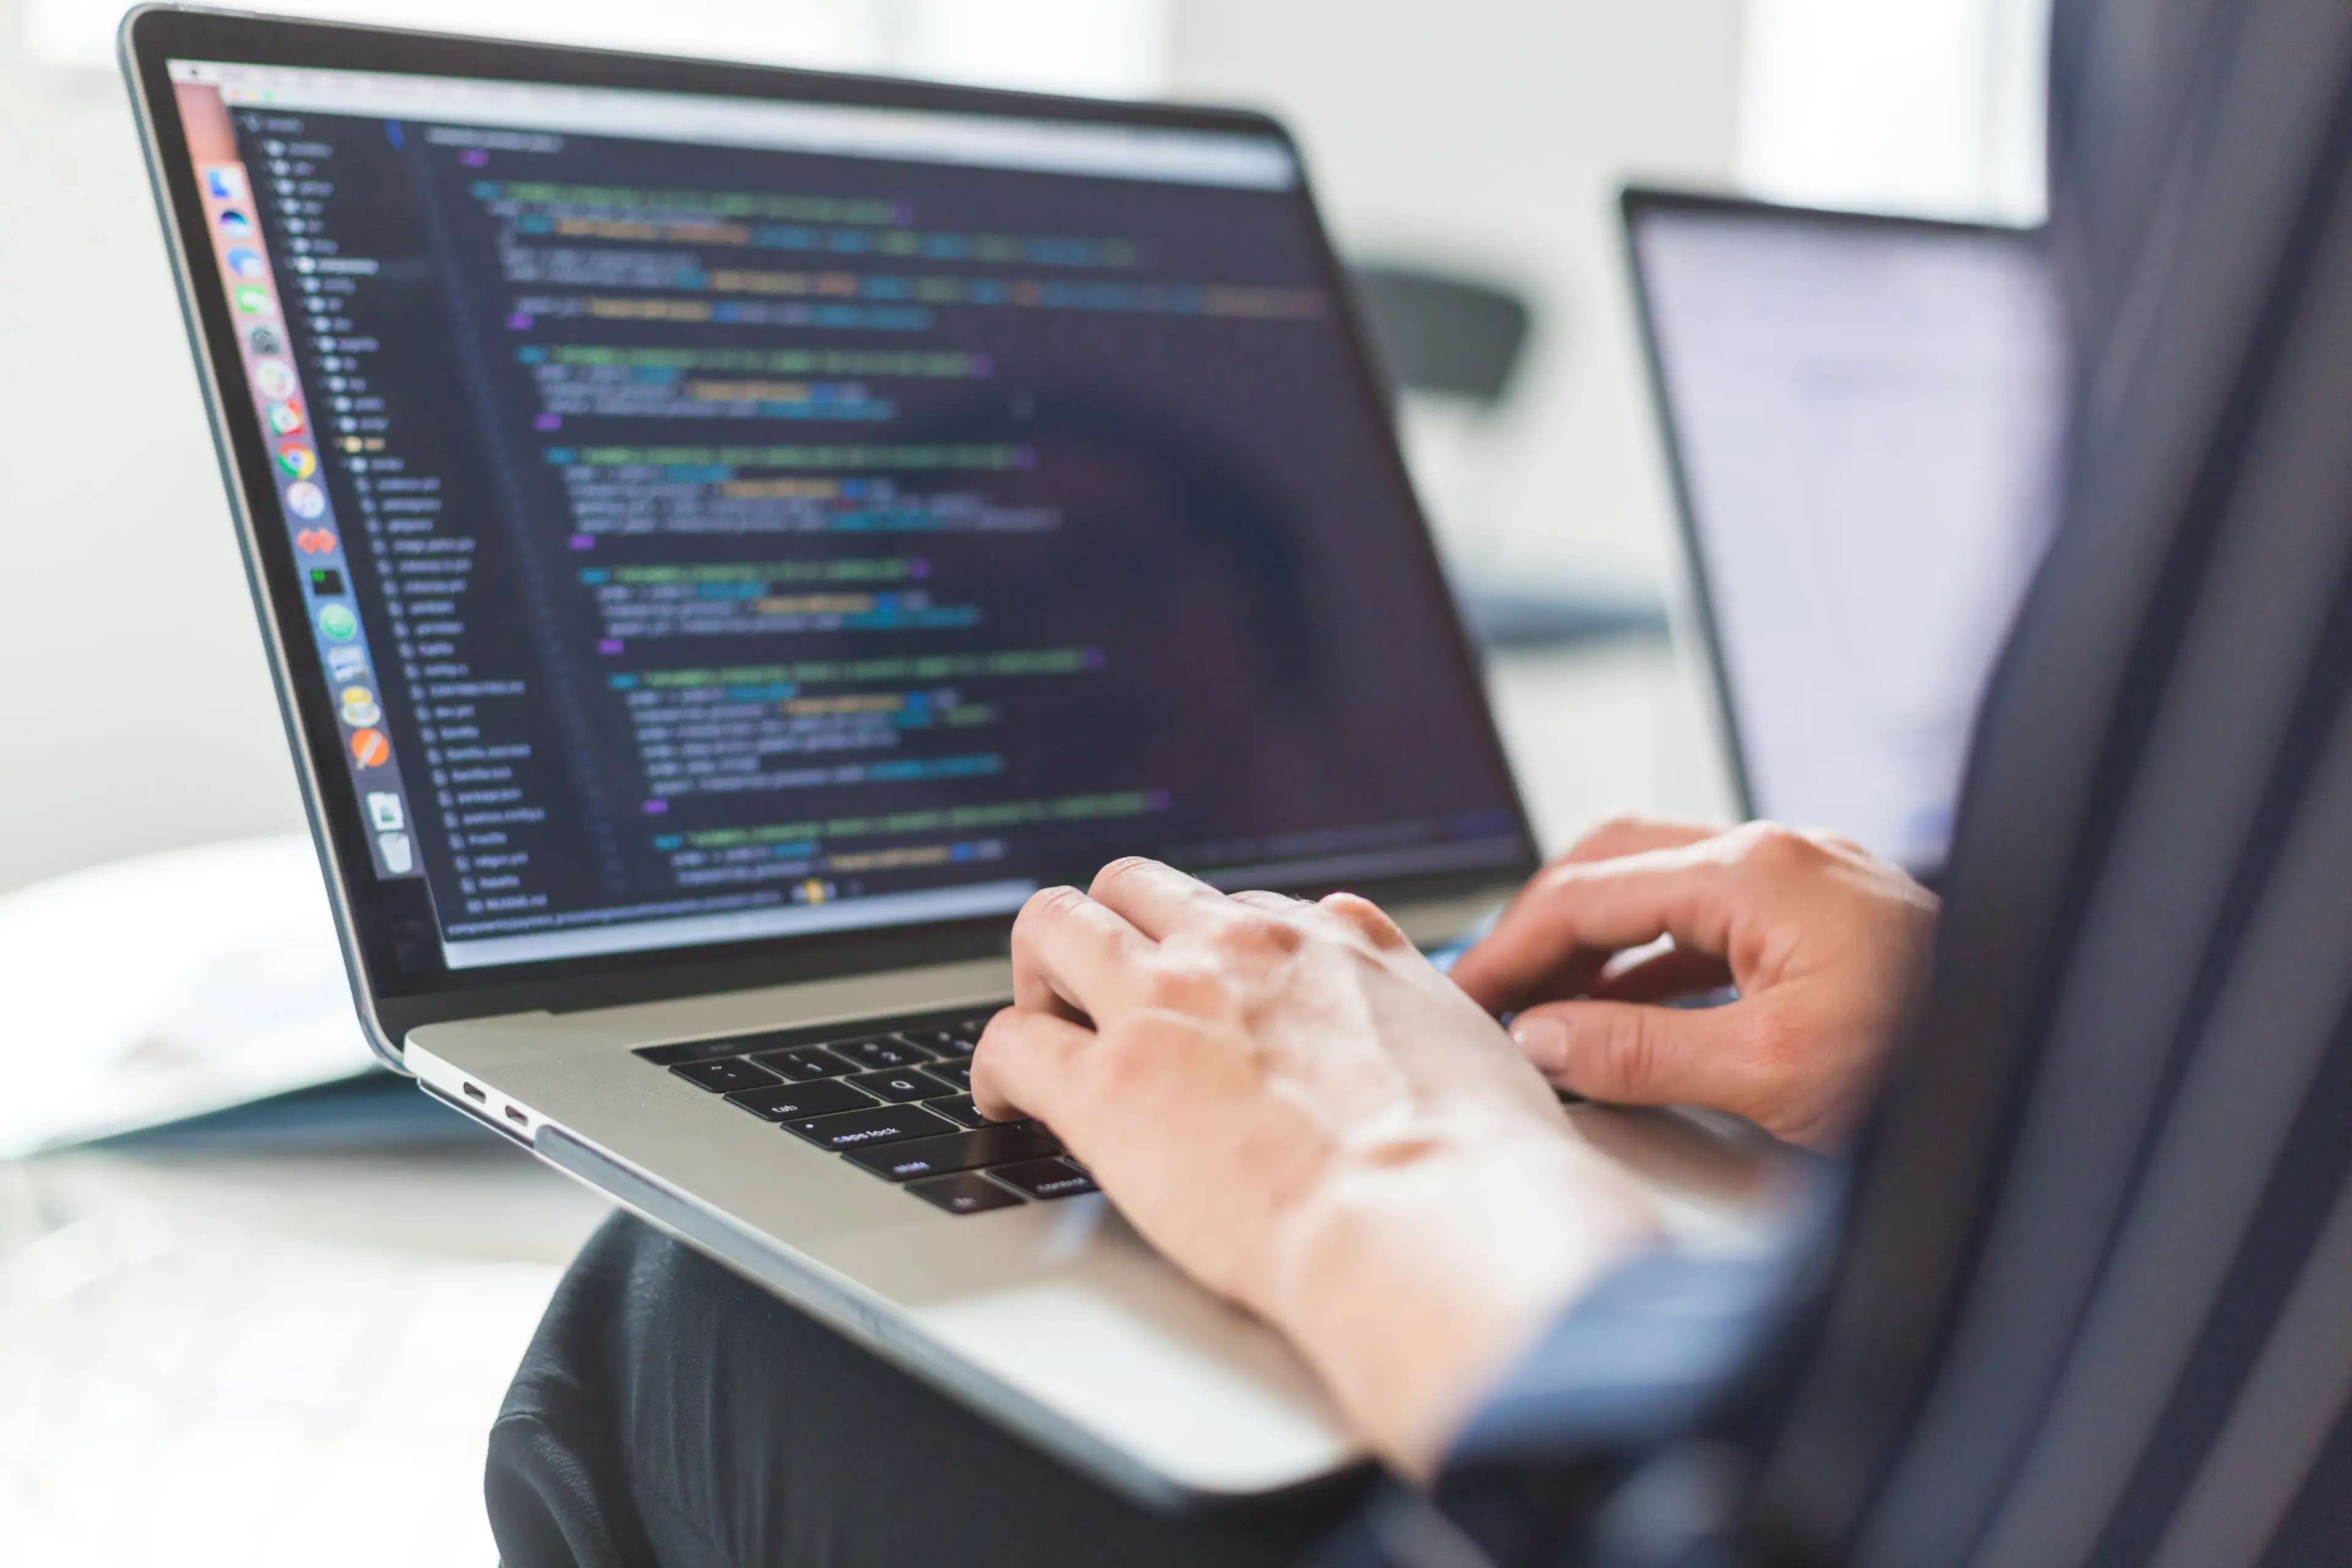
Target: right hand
x,y
1826,944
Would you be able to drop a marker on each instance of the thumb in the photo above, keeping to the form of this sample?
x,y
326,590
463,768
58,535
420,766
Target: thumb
x,y
1632,1054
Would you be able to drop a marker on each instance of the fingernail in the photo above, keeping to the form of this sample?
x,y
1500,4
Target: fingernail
x,y
1543,1040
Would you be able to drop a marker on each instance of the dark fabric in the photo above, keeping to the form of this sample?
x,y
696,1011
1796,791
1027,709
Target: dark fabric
x,y
1617,1438
1644,1359
2080,1175
669,1412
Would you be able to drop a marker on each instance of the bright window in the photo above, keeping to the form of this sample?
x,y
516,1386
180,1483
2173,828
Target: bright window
x,y
1112,47
1916,105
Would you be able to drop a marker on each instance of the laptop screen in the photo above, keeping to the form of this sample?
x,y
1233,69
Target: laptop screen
x,y
1865,414
726,517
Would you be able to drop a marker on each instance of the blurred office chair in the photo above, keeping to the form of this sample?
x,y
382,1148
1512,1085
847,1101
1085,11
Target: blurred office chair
x,y
1442,336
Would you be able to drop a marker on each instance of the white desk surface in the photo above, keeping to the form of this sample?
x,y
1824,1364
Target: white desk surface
x,y
229,1359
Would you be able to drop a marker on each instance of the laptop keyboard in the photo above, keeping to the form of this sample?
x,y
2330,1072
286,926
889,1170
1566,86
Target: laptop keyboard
x,y
894,1099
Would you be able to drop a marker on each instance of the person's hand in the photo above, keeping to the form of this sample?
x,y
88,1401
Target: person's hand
x,y
1826,944
1297,1108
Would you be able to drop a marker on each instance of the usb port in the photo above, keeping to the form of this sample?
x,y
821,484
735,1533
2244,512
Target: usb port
x,y
516,1117
477,1095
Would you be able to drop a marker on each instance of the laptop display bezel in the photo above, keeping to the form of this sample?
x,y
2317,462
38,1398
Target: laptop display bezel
x,y
394,998
1636,204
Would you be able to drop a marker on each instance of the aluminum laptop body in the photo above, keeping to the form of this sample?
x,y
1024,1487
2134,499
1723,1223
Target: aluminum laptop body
x,y
722,536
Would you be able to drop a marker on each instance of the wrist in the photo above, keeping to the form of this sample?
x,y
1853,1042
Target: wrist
x,y
1411,1283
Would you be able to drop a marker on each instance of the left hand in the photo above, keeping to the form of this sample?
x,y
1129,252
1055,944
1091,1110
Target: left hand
x,y
1293,1104
1827,944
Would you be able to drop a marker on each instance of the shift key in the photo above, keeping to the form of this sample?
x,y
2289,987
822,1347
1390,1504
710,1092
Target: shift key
x,y
883,1124
904,1161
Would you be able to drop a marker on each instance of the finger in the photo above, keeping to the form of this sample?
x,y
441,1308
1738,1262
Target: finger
x,y
1614,839
1830,840
1360,914
1157,900
1072,957
1632,1054
1022,1059
1558,933
1636,836
1617,840
1663,976
1366,917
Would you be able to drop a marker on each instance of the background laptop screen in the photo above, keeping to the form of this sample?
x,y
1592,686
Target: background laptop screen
x,y
726,517
1866,417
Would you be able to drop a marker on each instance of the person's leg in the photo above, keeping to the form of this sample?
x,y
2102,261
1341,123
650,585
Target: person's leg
x,y
670,1412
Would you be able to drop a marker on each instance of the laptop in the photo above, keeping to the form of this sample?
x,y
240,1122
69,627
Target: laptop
x,y
1863,417
723,537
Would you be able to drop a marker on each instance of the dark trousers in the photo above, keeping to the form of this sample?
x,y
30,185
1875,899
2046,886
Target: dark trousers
x,y
669,1412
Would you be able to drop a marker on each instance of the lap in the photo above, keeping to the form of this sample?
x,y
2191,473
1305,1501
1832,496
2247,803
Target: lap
x,y
670,1412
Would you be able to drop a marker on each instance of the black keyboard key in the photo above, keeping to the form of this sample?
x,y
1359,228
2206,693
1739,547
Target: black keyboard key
x,y
1045,1178
726,1074
882,1051
964,1193
952,1044
956,1152
701,1050
883,1124
956,1073
825,1097
908,1083
805,1065
963,1112
966,1111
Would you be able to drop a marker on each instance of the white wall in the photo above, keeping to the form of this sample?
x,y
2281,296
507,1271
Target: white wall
x,y
1116,47
1933,106
1492,135
134,710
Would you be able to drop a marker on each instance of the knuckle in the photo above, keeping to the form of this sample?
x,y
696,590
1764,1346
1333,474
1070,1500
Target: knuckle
x,y
1774,846
1631,1048
1366,917
1259,933
1831,842
1025,922
1625,825
1180,987
1045,903
1044,909
1122,869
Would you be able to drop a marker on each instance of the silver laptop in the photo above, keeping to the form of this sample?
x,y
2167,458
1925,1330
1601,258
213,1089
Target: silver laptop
x,y
724,538
1863,415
